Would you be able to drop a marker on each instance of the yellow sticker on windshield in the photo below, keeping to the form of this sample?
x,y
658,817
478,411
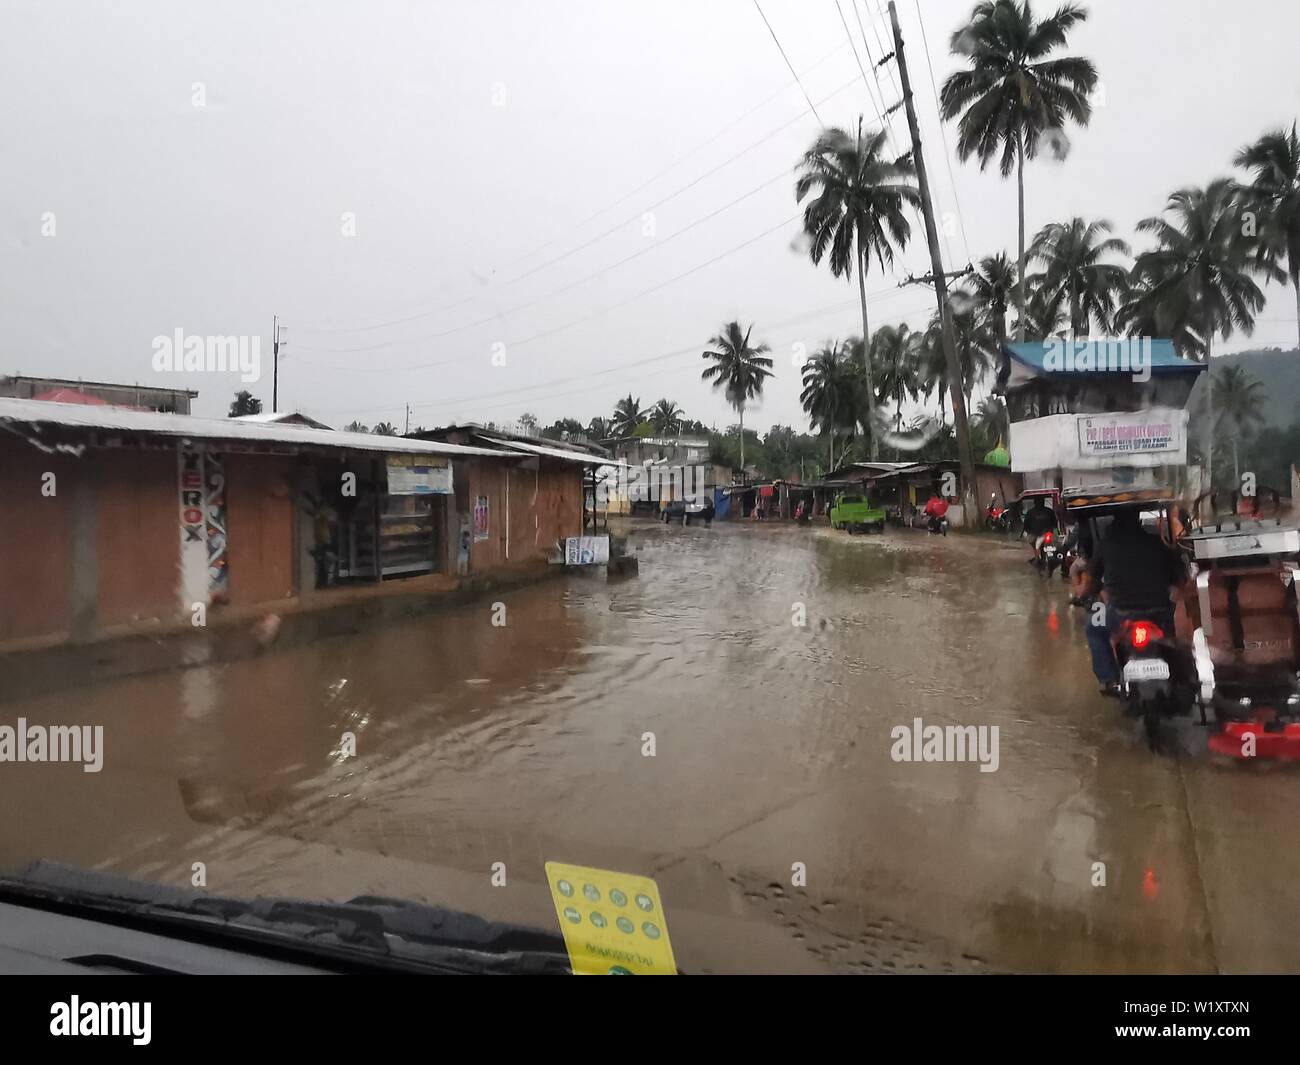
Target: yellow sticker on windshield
x,y
613,923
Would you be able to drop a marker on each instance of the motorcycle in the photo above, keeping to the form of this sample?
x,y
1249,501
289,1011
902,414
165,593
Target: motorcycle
x,y
1152,683
998,519
1049,554
937,525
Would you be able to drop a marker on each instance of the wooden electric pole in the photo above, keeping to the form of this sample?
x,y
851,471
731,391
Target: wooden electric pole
x,y
961,424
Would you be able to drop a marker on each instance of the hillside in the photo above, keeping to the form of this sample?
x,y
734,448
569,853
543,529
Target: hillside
x,y
1279,372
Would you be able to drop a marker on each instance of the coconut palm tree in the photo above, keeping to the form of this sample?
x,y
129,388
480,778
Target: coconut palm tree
x,y
384,429
1013,98
1200,278
1274,160
932,369
666,416
739,370
1240,400
974,340
856,210
600,428
356,427
991,285
895,349
830,392
1075,276
628,414
990,421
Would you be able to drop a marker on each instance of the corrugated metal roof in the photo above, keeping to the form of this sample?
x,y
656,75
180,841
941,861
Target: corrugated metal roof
x,y
121,419
1102,354
586,458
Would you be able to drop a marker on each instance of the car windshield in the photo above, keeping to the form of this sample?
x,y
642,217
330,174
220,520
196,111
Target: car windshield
x,y
477,463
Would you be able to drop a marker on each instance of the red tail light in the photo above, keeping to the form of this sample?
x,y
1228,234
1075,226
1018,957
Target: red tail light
x,y
1047,538
1141,633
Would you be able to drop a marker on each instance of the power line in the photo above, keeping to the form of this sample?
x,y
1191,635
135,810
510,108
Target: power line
x,y
610,206
889,132
783,175
572,251
790,65
872,298
943,135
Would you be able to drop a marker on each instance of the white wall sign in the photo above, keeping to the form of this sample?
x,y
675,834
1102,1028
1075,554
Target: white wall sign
x,y
406,478
1139,433
586,550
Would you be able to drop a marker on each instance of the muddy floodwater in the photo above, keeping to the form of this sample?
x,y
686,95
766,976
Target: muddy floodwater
x,y
767,667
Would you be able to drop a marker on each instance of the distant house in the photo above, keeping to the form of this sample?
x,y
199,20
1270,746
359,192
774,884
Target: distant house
x,y
64,390
283,418
664,467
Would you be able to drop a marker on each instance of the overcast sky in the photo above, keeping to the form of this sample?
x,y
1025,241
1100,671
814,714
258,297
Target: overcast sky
x,y
498,160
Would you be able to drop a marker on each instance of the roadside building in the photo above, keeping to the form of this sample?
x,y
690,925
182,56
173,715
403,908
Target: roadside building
x,y
282,418
112,519
1098,411
657,469
66,390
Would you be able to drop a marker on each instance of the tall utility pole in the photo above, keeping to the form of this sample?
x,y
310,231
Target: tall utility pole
x,y
407,431
275,363
965,456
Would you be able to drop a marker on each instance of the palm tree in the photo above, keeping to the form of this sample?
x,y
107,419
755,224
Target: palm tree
x,y
1075,277
1240,400
384,429
627,416
1199,279
973,339
1012,97
739,370
990,285
933,369
666,416
356,427
1274,160
990,421
896,350
857,210
600,428
830,392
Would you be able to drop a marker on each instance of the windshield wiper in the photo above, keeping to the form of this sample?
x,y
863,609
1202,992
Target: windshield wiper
x,y
366,932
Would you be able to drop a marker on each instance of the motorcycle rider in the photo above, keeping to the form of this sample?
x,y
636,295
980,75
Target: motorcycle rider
x,y
1038,522
1136,574
936,507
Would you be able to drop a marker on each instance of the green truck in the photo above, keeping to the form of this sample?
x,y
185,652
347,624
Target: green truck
x,y
854,513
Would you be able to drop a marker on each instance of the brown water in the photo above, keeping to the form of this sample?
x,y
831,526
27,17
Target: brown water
x,y
524,743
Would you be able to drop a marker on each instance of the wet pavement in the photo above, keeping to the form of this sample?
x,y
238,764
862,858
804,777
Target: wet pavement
x,y
525,742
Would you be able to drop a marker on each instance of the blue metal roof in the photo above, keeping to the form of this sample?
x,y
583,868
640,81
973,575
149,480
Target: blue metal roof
x,y
1099,355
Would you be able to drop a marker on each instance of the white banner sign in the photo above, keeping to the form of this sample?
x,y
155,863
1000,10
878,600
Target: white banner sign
x,y
405,478
586,550
1140,433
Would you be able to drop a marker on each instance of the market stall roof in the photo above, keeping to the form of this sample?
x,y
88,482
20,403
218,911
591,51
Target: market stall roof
x,y
1058,359
39,414
856,471
564,454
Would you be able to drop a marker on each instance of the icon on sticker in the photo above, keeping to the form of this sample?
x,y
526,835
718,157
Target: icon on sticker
x,y
564,888
572,915
617,897
645,903
650,930
598,919
618,970
625,926
592,892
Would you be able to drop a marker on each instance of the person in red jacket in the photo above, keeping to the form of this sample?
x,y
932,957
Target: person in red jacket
x,y
936,508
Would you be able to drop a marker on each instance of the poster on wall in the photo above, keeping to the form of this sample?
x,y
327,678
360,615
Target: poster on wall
x,y
586,550
214,512
193,584
481,518
417,475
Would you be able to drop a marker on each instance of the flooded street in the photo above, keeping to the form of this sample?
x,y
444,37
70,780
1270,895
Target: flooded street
x,y
524,743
